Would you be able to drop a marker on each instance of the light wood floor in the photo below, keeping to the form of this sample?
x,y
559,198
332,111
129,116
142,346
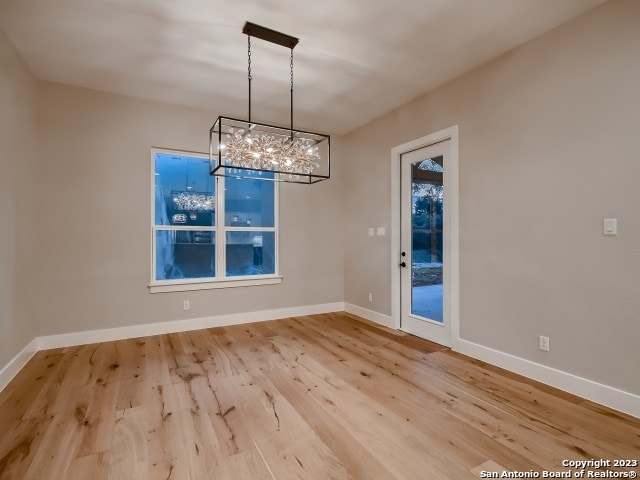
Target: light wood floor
x,y
316,397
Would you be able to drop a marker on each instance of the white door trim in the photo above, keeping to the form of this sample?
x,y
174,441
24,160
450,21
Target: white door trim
x,y
450,133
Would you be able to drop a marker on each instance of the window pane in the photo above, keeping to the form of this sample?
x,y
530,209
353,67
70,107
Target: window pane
x,y
185,254
251,253
184,191
249,203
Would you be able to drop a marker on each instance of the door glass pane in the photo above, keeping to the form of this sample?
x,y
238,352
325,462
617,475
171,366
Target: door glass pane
x,y
249,203
250,253
185,254
427,198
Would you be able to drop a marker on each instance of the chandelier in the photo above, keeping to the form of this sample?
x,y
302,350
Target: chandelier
x,y
237,148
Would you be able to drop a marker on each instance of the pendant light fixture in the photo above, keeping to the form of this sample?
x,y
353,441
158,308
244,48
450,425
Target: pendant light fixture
x,y
247,149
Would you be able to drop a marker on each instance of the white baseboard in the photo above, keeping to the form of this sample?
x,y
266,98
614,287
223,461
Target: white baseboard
x,y
16,364
134,331
603,394
376,317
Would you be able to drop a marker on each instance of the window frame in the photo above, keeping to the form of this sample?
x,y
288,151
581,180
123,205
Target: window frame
x,y
221,280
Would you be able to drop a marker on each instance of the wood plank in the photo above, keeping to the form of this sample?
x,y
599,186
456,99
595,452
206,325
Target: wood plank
x,y
129,456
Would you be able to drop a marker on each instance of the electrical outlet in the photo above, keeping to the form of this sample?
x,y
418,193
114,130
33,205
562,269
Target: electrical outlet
x,y
544,343
371,297
186,305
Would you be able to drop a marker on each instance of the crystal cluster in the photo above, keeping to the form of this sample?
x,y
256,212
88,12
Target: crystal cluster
x,y
179,218
201,202
261,151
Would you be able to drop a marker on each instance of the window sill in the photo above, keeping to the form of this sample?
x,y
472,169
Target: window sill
x,y
186,285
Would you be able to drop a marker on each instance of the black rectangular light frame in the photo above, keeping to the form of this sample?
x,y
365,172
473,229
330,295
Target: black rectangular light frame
x,y
217,168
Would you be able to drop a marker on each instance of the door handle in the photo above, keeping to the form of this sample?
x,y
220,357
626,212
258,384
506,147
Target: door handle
x,y
403,265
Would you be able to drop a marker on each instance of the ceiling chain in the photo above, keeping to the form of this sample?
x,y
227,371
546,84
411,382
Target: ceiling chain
x,y
292,93
249,77
249,71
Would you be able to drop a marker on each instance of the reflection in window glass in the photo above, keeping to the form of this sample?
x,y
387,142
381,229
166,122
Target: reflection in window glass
x,y
432,164
185,254
249,203
184,191
250,253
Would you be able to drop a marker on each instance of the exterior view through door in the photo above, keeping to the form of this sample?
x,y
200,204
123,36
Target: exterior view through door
x,y
424,275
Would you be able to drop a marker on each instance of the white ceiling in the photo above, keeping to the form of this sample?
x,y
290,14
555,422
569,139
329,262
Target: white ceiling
x,y
356,59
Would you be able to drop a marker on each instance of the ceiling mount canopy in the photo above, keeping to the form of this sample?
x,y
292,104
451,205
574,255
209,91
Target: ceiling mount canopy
x,y
264,33
247,149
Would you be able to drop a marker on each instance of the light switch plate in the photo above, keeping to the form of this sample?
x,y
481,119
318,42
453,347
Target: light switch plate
x,y
610,226
381,231
371,232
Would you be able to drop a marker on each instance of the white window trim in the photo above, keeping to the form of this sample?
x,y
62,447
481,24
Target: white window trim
x,y
212,283
221,281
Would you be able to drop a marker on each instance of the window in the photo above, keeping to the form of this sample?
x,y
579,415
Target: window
x,y
211,232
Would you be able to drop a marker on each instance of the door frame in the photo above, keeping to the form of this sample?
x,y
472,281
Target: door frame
x,y
451,134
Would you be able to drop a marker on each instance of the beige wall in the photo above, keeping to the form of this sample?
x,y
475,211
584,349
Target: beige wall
x,y
548,148
94,178
17,240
